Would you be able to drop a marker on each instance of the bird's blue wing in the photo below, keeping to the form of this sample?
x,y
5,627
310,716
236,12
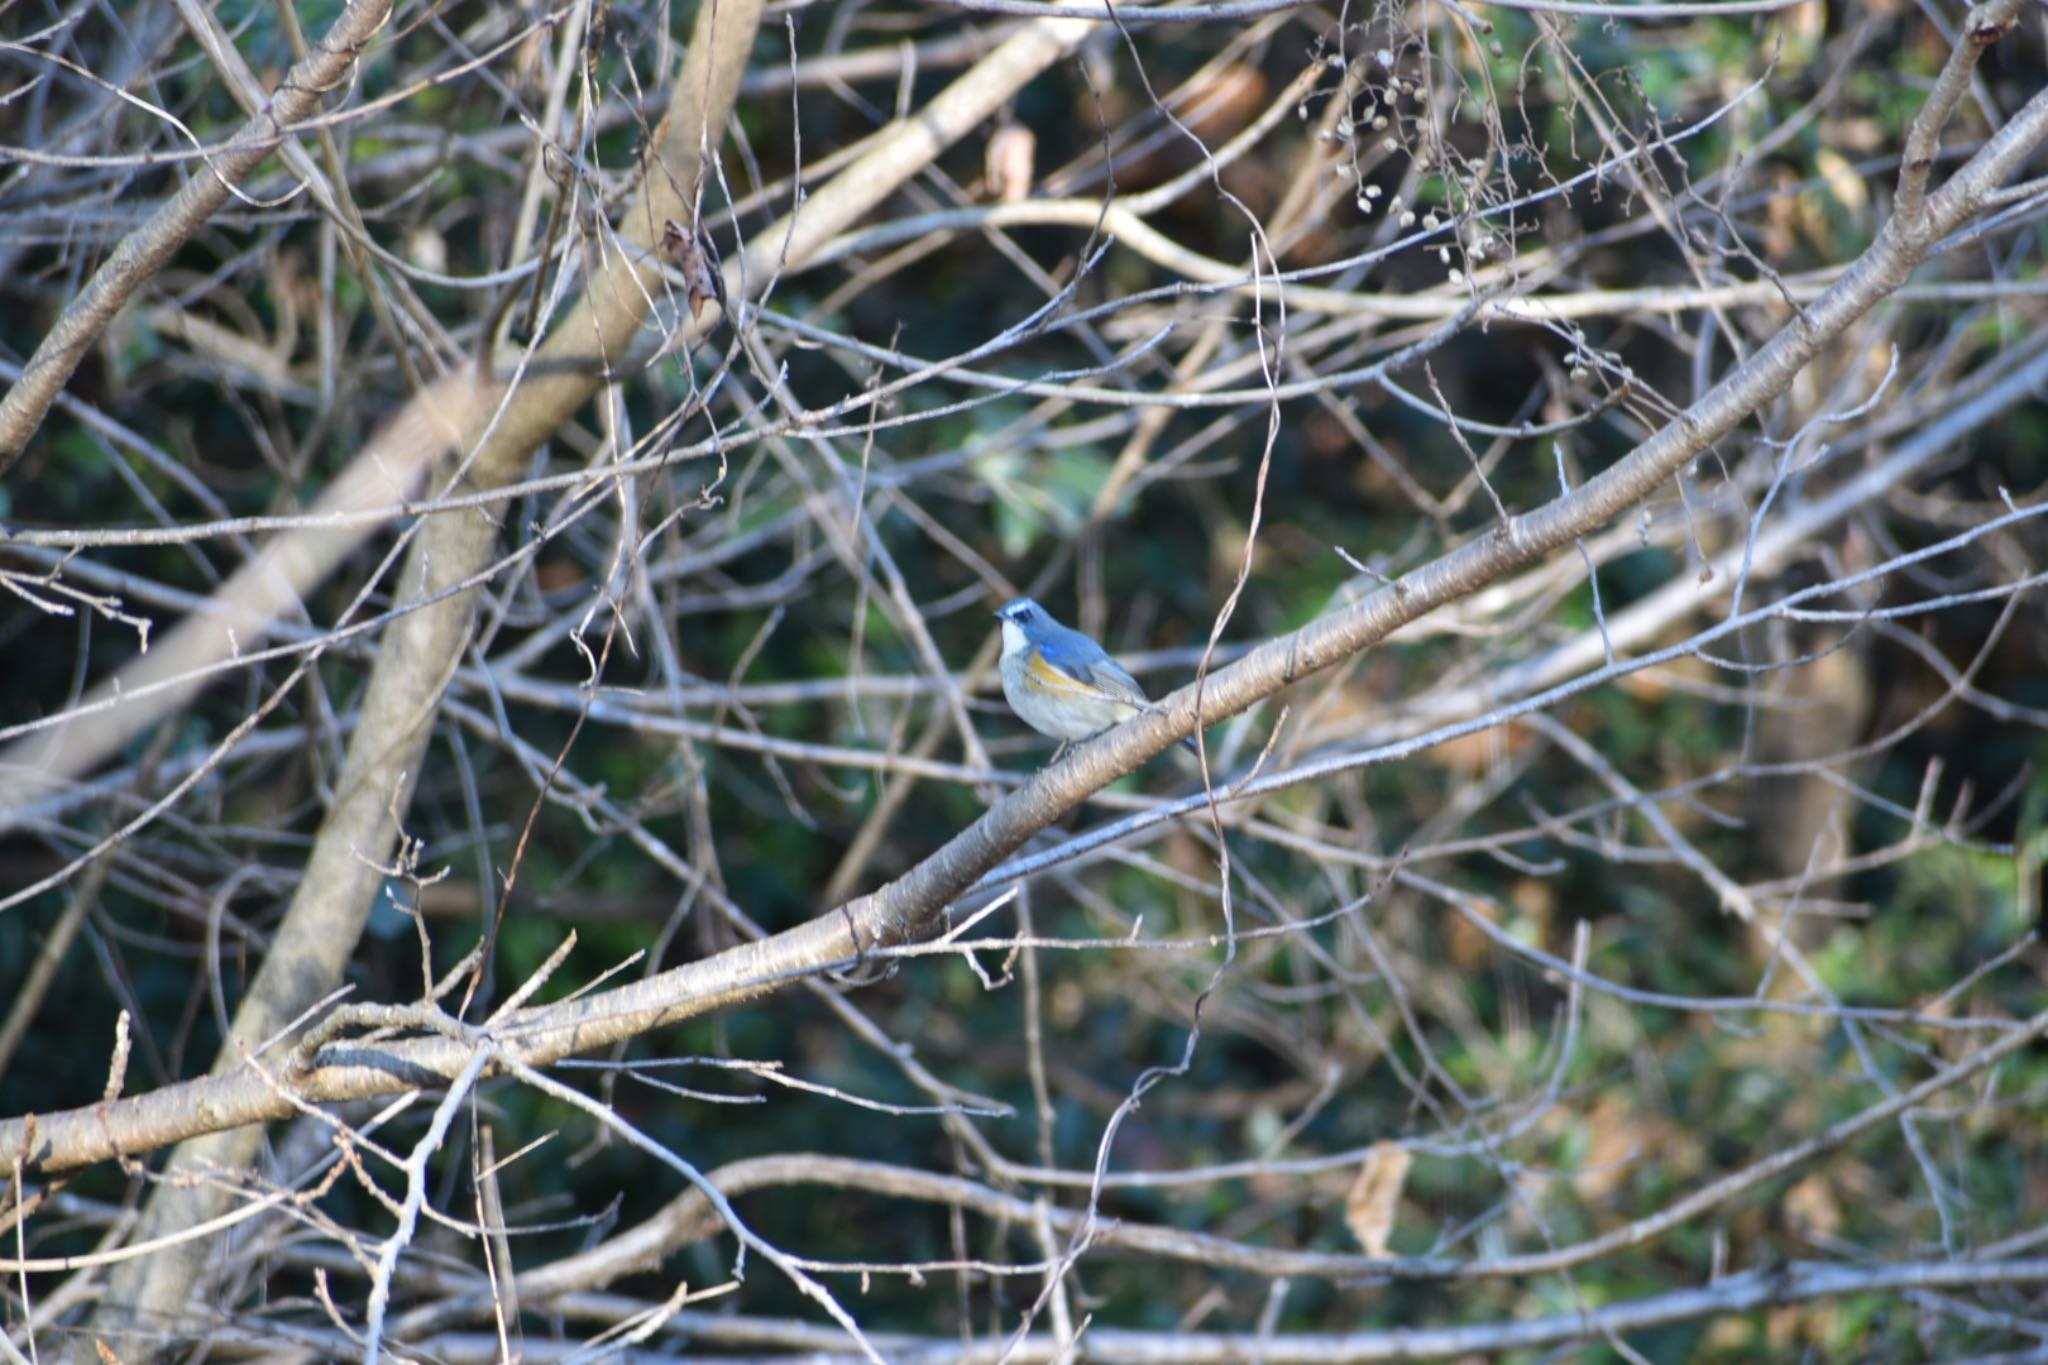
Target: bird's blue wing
x,y
1082,659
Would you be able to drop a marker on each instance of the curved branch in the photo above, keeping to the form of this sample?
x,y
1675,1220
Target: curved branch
x,y
912,906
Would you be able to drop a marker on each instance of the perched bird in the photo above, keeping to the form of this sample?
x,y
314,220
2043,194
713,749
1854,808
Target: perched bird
x,y
1060,682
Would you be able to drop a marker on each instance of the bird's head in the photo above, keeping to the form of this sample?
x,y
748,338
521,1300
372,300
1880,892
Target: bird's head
x,y
1020,619
1023,611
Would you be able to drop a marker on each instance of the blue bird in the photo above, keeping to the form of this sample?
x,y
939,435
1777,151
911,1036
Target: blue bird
x,y
1060,682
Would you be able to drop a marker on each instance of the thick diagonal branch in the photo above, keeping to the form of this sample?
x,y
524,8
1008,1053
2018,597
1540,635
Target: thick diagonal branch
x,y
909,907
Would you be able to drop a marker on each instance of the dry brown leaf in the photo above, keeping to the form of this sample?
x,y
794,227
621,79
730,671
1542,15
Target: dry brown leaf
x,y
1369,1208
691,252
1011,159
1843,180
1812,1207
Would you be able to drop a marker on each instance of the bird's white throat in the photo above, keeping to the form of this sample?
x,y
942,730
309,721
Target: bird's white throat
x,y
1013,637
